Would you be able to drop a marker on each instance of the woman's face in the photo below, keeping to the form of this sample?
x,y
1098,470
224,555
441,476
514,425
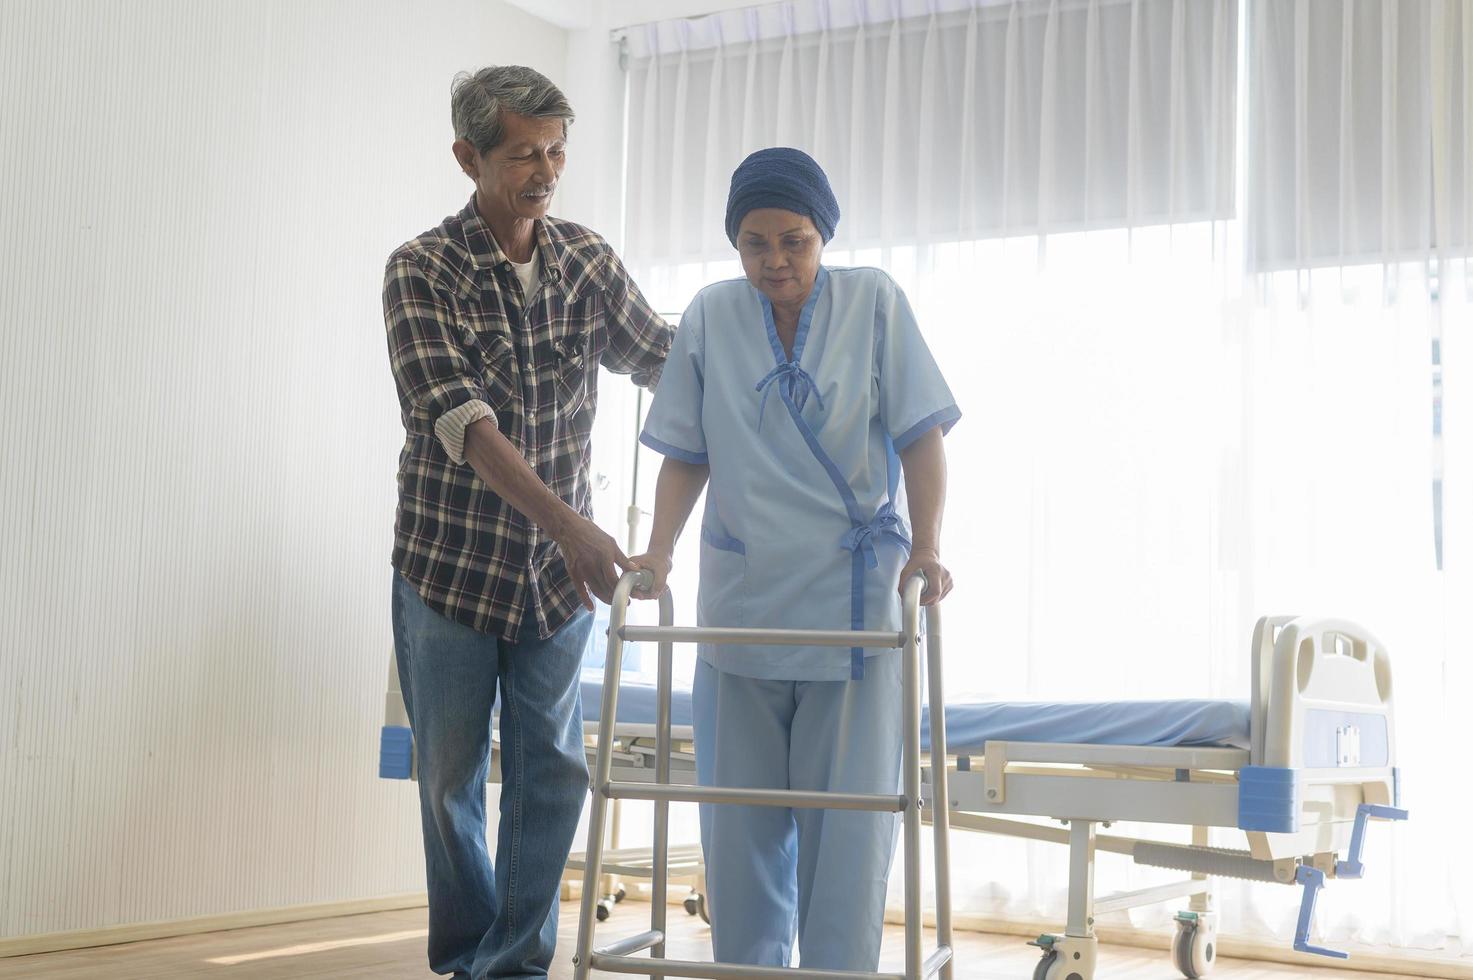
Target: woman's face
x,y
780,254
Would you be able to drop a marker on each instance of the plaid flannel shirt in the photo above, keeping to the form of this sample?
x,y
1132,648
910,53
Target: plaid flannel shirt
x,y
465,344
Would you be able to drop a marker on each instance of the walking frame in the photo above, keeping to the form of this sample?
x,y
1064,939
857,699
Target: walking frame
x,y
619,957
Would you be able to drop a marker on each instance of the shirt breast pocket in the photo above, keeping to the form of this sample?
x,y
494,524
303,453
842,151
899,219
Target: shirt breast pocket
x,y
498,368
575,368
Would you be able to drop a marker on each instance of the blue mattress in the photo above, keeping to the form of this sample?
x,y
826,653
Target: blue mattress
x,y
970,724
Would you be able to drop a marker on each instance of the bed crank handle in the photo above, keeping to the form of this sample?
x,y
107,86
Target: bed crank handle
x,y
1313,879
1352,866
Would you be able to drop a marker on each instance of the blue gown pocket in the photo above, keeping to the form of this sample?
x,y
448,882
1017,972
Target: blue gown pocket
x,y
723,586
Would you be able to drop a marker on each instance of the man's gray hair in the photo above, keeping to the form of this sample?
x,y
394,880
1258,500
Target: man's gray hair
x,y
477,100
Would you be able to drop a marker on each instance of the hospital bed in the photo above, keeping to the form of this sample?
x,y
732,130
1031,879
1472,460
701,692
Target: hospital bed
x,y
1299,770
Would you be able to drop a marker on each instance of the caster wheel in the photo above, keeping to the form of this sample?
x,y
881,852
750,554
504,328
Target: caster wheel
x,y
1066,958
1051,967
620,894
603,911
1193,949
692,905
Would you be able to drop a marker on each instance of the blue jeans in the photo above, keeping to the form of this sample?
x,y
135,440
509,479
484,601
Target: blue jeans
x,y
485,922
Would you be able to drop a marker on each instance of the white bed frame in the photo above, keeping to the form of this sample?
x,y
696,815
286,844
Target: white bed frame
x,y
1322,763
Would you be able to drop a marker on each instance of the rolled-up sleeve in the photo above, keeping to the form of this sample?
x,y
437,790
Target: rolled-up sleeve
x,y
639,339
440,390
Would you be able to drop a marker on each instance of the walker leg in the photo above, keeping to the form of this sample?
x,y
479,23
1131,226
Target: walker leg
x,y
940,790
593,860
660,865
911,692
593,856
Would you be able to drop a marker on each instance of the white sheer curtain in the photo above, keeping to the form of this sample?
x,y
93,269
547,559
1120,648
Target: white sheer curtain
x,y
1161,440
1154,455
1359,124
937,120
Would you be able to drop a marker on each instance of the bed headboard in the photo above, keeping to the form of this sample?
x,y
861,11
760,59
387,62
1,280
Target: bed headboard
x,y
1323,734
1322,699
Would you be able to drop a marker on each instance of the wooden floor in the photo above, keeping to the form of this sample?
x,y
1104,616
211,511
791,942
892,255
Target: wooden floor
x,y
388,945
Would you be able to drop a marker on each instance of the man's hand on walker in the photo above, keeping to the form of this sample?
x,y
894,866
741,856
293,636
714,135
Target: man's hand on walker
x,y
938,580
657,564
593,559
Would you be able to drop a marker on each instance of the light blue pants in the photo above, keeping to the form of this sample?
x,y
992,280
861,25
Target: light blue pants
x,y
490,922
772,871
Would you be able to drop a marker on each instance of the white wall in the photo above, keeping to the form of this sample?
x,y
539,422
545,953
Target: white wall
x,y
196,498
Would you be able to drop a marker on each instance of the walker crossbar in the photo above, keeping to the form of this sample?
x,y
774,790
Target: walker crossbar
x,y
810,800
616,957
779,638
633,944
737,971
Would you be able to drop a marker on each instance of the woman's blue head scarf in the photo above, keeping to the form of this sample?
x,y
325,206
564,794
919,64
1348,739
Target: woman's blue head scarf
x,y
782,177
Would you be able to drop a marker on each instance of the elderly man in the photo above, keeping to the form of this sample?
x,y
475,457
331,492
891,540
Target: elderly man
x,y
497,321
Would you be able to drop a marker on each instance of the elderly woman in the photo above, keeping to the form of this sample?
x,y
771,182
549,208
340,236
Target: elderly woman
x,y
801,393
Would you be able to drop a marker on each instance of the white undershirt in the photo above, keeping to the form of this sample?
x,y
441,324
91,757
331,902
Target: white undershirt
x,y
528,272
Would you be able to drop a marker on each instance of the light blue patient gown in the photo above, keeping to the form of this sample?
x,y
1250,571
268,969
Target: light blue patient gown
x,y
803,529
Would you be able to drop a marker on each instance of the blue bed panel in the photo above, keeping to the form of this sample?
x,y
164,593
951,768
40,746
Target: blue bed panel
x,y
395,752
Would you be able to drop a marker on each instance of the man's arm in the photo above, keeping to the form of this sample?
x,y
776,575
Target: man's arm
x,y
639,338
439,391
590,554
